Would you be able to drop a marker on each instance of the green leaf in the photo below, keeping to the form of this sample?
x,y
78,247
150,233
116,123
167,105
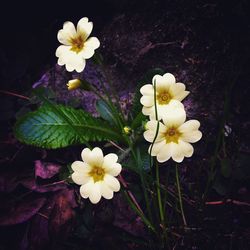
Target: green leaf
x,y
59,126
226,168
105,112
138,121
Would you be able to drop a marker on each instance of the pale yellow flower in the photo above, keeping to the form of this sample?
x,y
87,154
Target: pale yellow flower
x,y
96,174
168,94
174,136
77,45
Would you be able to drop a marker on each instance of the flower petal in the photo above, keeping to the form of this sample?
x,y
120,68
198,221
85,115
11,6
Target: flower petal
x,y
189,126
147,101
177,152
106,192
182,95
164,153
192,136
85,27
112,182
169,78
147,89
148,110
87,52
187,148
80,178
79,166
115,170
94,157
161,83
110,164
85,189
178,91
152,125
95,193
150,133
93,43
70,59
109,160
64,35
174,117
156,147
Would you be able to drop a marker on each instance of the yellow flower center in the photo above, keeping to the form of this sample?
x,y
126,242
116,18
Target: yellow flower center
x,y
97,173
77,43
172,135
164,97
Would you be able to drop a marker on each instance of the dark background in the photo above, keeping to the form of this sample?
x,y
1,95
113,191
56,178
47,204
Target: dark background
x,y
217,52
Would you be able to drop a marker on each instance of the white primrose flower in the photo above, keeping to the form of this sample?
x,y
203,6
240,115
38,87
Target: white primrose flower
x,y
77,45
168,94
174,136
96,174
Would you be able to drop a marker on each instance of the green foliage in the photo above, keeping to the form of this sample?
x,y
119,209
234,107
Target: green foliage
x,y
105,112
57,126
226,167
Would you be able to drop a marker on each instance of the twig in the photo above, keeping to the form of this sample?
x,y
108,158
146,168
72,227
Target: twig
x,y
129,193
14,94
240,203
117,146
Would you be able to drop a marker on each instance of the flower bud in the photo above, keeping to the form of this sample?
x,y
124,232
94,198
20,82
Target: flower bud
x,y
74,84
127,130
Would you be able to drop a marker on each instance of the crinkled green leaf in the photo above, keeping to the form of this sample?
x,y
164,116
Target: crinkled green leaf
x,y
59,126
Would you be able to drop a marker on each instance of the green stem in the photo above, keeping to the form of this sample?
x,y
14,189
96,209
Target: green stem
x,y
159,193
144,183
142,216
179,194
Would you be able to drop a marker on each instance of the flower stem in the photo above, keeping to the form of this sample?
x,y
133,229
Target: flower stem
x,y
179,194
159,193
142,216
